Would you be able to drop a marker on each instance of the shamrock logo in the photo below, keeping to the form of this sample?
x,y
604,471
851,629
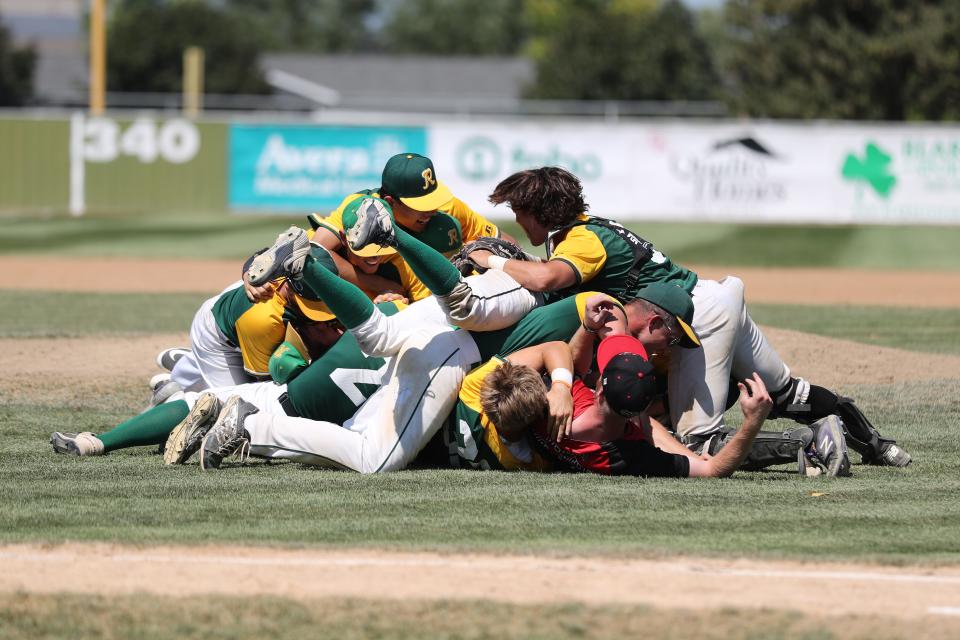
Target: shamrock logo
x,y
873,168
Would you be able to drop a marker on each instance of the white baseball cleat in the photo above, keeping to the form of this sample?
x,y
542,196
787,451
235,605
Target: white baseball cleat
x,y
78,444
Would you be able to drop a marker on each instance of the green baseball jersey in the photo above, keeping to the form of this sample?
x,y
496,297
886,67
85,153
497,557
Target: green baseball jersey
x,y
334,386
604,257
556,321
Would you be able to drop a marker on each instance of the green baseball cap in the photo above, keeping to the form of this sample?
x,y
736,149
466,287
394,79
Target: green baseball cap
x,y
349,219
442,233
412,178
678,303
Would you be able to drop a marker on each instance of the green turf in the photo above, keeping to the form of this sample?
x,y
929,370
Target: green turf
x,y
883,514
931,330
66,315
221,236
82,617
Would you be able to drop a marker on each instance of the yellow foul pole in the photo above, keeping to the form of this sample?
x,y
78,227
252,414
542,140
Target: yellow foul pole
x,y
98,56
192,81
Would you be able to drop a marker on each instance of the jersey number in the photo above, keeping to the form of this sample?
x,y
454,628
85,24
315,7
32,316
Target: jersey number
x,y
349,380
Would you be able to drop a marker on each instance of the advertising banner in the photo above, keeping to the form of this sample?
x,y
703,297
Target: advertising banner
x,y
745,172
310,168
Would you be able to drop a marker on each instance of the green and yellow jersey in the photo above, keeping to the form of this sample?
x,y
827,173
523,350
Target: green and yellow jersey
x,y
478,444
472,224
258,328
604,259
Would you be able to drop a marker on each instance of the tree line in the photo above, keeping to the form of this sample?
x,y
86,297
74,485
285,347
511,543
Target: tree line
x,y
847,59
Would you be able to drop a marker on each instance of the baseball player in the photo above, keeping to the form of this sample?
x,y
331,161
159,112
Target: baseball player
x,y
585,251
429,360
330,387
357,378
606,434
409,184
463,306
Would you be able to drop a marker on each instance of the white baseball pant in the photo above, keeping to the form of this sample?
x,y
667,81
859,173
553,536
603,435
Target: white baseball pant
x,y
733,345
212,361
418,393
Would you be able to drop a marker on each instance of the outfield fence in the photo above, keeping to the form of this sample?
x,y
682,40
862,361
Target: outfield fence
x,y
683,170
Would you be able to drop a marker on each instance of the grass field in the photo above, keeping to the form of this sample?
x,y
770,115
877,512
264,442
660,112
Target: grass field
x,y
880,515
176,235
241,618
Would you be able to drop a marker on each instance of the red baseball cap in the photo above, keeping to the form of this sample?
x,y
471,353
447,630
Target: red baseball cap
x,y
626,375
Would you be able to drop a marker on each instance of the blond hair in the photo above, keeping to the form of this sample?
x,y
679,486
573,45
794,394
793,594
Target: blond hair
x,y
513,397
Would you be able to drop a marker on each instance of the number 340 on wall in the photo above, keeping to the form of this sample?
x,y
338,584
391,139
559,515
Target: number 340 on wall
x,y
175,141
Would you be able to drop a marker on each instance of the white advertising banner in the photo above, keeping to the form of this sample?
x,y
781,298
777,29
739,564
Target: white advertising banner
x,y
743,172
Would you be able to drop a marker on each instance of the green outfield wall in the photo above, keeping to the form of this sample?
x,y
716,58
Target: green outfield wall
x,y
129,165
34,165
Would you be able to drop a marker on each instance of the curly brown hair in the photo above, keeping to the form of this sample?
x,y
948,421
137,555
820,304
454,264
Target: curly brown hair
x,y
553,196
513,397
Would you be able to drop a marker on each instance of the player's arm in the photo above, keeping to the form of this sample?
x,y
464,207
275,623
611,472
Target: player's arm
x,y
555,358
551,275
665,441
581,347
756,404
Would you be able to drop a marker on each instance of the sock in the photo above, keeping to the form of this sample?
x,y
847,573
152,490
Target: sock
x,y
150,427
436,272
351,305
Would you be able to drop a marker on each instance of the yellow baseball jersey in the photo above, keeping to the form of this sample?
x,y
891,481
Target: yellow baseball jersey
x,y
254,328
395,269
472,224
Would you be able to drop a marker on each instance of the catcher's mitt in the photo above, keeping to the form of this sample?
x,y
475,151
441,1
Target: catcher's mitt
x,y
461,260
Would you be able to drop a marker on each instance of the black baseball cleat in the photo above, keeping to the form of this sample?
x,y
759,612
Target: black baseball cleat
x,y
829,448
374,225
227,436
285,258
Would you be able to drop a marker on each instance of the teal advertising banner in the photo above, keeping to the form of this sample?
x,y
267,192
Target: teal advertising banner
x,y
310,168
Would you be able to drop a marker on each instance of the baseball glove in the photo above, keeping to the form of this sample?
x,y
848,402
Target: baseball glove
x,y
461,260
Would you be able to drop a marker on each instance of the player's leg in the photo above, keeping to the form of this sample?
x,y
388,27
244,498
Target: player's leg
x,y
807,403
392,426
219,362
148,428
377,334
698,379
488,302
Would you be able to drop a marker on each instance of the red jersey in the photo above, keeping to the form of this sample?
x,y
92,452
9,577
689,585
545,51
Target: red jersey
x,y
577,455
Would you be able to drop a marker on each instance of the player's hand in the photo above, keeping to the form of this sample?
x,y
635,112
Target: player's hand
x,y
755,401
602,315
390,297
257,294
559,412
480,257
